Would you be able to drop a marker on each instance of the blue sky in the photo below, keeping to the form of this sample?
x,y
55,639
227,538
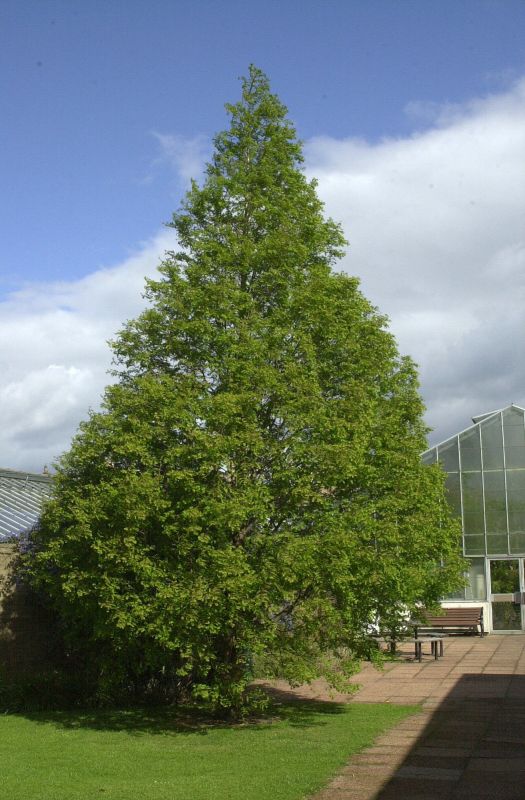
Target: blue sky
x,y
85,85
412,114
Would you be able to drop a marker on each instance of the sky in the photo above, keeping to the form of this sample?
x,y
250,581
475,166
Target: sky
x,y
412,115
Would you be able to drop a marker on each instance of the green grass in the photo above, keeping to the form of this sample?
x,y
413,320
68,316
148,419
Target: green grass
x,y
156,755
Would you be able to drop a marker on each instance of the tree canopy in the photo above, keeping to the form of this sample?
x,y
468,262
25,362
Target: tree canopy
x,y
252,486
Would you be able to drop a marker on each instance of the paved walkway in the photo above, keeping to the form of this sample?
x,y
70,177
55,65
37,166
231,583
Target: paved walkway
x,y
468,741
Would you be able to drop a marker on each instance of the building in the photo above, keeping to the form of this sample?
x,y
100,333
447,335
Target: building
x,y
485,478
25,633
21,497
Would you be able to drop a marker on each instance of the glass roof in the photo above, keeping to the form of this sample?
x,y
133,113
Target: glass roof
x,y
485,466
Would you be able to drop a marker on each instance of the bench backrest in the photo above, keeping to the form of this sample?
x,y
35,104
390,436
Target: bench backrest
x,y
451,616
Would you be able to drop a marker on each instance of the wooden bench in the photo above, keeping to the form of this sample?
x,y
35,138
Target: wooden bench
x,y
452,619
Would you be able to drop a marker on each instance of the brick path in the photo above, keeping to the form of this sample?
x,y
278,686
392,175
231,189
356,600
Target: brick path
x,y
468,741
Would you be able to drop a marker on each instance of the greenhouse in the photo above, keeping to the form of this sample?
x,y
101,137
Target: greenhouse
x,y
485,478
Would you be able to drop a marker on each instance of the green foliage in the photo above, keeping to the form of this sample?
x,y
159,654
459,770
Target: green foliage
x,y
43,690
252,487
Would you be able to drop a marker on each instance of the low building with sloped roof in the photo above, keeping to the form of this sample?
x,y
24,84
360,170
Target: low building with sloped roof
x,y
21,497
25,640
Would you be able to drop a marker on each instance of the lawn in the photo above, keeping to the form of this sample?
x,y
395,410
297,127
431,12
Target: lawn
x,y
153,755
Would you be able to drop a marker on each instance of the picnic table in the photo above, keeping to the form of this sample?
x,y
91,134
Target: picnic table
x,y
437,647
436,642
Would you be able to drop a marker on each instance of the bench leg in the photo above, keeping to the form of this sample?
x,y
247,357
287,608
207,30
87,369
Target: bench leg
x,y
417,651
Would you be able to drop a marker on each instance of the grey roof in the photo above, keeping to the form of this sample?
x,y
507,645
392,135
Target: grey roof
x,y
21,498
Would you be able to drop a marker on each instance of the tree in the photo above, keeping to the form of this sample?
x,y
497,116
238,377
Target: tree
x,y
252,487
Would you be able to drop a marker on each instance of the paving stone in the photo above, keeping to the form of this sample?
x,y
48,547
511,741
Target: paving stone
x,y
428,773
487,787
414,789
454,762
467,742
516,766
501,749
428,751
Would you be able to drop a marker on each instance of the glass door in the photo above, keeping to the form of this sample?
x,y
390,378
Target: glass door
x,y
507,594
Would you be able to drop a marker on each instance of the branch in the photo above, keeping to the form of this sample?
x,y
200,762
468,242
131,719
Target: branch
x,y
304,594
244,532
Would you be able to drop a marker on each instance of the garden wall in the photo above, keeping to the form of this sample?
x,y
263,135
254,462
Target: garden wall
x,y
27,641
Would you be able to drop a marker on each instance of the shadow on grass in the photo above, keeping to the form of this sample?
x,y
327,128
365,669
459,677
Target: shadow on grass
x,y
173,720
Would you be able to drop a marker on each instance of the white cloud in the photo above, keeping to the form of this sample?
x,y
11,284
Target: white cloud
x,y
436,224
186,155
54,355
436,229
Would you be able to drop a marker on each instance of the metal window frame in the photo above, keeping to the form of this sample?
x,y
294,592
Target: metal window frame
x,y
456,438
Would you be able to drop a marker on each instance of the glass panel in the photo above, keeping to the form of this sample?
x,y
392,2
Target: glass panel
x,y
516,489
504,576
505,580
472,491
473,518
448,454
516,495
473,522
495,506
474,545
506,616
516,521
430,457
514,431
470,450
459,595
515,457
497,544
477,588
454,492
492,442
517,543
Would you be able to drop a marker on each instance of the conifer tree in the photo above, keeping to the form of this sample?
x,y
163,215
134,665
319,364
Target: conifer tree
x,y
252,487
